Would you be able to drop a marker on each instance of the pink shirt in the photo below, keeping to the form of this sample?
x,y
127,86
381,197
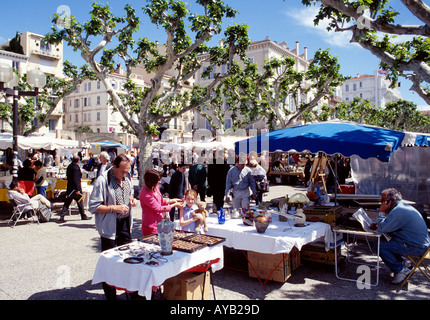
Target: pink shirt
x,y
153,206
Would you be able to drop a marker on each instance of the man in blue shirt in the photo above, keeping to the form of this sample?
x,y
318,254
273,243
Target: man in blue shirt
x,y
407,229
240,179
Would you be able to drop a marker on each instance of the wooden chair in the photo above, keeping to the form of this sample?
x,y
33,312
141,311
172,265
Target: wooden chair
x,y
421,264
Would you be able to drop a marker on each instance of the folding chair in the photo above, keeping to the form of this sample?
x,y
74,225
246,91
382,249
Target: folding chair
x,y
19,210
419,263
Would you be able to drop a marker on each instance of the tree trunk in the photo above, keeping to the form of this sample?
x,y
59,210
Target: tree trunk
x,y
145,155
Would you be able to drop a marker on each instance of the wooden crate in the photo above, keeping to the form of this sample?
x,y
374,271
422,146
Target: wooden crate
x,y
317,253
326,214
188,286
270,267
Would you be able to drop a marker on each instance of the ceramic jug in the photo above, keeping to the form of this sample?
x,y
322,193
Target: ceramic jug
x,y
166,231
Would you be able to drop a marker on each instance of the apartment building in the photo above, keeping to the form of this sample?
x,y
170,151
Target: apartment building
x,y
89,106
46,57
19,62
38,55
376,88
258,52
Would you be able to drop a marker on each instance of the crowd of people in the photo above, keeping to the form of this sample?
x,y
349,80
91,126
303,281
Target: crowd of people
x,y
33,176
112,197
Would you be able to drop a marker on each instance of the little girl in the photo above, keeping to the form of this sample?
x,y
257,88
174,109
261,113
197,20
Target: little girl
x,y
186,219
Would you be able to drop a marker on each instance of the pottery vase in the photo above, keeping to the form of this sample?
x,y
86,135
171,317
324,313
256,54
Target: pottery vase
x,y
261,223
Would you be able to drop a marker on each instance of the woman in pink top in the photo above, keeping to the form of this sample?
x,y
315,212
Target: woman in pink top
x,y
152,202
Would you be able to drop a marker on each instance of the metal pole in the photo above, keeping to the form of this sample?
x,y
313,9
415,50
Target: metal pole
x,y
336,180
15,134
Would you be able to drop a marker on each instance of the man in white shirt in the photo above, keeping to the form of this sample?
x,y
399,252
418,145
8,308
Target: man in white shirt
x,y
18,195
40,180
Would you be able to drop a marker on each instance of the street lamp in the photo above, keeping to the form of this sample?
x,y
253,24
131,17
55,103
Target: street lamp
x,y
9,84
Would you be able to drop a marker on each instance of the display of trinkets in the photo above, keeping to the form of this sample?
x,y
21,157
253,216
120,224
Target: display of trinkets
x,y
206,239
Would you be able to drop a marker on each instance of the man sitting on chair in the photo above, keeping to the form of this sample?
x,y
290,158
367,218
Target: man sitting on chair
x,y
18,195
407,229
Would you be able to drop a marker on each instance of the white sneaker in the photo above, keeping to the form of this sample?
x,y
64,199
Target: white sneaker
x,y
401,276
407,264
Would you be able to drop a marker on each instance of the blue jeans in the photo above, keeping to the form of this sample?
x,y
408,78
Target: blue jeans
x,y
391,253
42,191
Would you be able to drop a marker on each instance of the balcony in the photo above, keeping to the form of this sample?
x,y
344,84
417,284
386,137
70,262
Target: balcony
x,y
47,54
335,99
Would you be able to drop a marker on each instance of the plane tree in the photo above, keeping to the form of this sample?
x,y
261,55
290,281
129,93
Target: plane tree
x,y
279,94
106,37
375,26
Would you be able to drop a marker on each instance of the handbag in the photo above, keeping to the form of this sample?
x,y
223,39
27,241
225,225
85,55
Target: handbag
x,y
44,213
263,186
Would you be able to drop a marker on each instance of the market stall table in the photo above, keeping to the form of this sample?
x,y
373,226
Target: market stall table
x,y
141,277
361,200
280,236
3,195
359,233
289,175
61,185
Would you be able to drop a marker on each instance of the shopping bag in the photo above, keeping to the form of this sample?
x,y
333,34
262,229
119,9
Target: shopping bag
x,y
44,213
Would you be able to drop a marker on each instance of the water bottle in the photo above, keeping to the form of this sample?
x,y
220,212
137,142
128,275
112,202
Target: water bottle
x,y
221,217
318,192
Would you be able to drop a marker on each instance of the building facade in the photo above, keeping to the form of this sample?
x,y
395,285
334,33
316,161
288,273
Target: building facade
x,y
376,88
18,62
258,52
88,106
45,57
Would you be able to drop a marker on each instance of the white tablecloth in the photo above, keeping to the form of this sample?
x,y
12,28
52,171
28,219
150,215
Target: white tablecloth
x,y
280,236
141,277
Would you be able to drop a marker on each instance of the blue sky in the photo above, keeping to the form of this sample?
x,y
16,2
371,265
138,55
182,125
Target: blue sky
x,y
279,20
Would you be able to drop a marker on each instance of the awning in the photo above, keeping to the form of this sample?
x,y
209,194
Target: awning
x,y
37,142
109,144
331,137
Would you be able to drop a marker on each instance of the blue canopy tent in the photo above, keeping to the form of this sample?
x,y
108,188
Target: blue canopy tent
x,y
109,144
332,137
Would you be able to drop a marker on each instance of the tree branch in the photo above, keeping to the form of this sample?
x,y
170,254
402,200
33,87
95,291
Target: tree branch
x,y
352,12
419,9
